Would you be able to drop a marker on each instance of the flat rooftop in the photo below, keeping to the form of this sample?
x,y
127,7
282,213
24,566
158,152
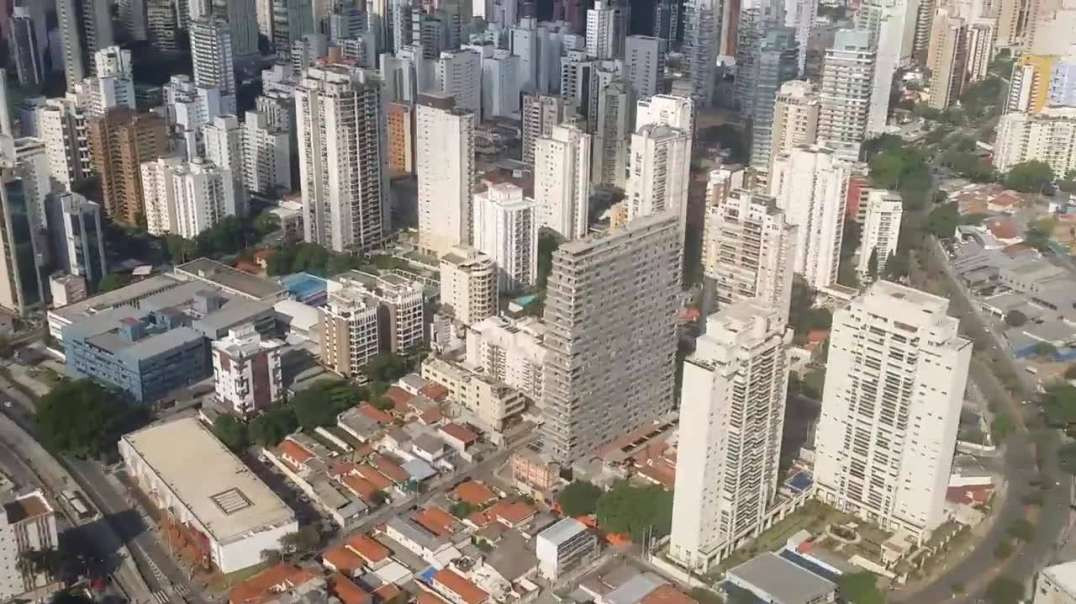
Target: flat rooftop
x,y
118,297
231,279
784,581
218,489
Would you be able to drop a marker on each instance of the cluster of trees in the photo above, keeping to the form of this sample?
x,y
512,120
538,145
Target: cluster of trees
x,y
802,316
315,259
960,156
730,138
1029,177
860,588
229,236
1059,405
640,511
548,242
83,419
294,546
900,167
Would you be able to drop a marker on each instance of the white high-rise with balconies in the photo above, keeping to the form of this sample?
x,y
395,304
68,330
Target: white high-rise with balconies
x,y
112,86
459,74
185,197
728,450
895,382
506,229
666,110
644,64
211,54
342,157
223,138
62,127
266,155
444,163
881,229
795,117
810,185
562,180
845,93
658,177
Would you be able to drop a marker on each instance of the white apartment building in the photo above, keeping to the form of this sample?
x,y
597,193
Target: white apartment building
x,y
881,229
444,163
459,75
349,330
1049,136
401,305
604,37
62,127
845,93
246,370
891,408
28,524
729,446
468,285
188,107
748,251
510,352
158,194
666,110
562,180
885,19
609,158
266,155
223,139
211,54
342,157
795,117
540,114
564,546
484,400
810,186
506,229
658,177
500,82
113,86
644,64
203,196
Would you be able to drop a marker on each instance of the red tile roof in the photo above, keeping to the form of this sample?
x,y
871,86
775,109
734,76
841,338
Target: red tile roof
x,y
667,594
434,391
367,548
426,597
386,592
268,583
389,468
371,474
436,520
474,493
459,433
463,588
294,451
431,415
360,486
399,397
348,593
375,414
512,512
343,560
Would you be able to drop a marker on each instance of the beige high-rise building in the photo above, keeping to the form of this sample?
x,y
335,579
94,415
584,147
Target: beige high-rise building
x,y
895,382
748,251
845,93
946,58
731,423
119,143
1029,85
795,117
468,285
611,335
400,131
1011,23
349,331
445,165
562,180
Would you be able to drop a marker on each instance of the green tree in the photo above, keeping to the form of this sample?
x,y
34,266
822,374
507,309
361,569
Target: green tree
x,y
266,223
1005,590
112,281
860,588
303,541
1003,550
1039,233
548,242
269,428
1001,428
579,498
1029,176
80,418
1044,350
387,367
1015,318
462,509
1059,404
637,511
1066,458
898,265
730,138
231,431
180,250
943,220
319,404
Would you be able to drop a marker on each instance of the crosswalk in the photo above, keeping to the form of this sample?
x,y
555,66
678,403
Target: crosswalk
x,y
161,597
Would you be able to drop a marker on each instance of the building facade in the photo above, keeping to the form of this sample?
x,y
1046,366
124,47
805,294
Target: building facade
x,y
562,180
444,162
246,371
506,229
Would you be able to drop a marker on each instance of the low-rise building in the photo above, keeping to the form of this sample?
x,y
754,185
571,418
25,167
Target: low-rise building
x,y
191,476
564,546
509,351
468,285
309,466
489,403
401,307
246,370
1056,584
771,578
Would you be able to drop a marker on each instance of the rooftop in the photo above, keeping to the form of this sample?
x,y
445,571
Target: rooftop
x,y
25,507
117,297
236,281
784,581
218,489
562,531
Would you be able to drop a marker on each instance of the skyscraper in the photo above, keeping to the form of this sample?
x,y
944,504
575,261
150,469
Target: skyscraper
x,y
266,155
612,130
800,16
224,147
769,60
119,143
644,64
610,367
85,28
78,241
341,157
895,382
468,285
946,57
506,229
606,30
795,117
562,180
113,84
702,32
459,74
886,20
241,17
748,251
845,94
731,422
64,131
540,113
810,185
881,229
211,53
24,47
658,178
444,162
21,285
